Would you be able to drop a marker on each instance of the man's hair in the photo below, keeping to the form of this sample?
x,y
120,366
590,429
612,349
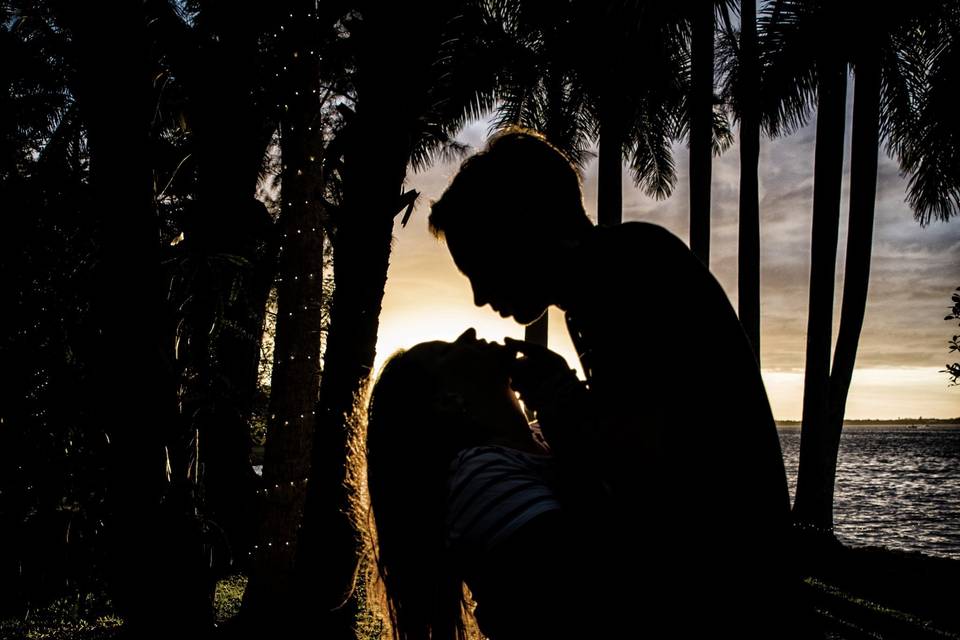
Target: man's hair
x,y
520,183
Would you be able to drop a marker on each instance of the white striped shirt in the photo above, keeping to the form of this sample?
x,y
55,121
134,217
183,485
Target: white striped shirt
x,y
494,491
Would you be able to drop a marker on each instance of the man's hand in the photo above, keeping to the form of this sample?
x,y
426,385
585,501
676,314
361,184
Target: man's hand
x,y
537,373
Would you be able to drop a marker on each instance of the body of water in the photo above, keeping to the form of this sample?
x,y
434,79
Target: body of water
x,y
897,486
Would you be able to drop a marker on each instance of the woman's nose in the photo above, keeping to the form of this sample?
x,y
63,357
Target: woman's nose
x,y
468,335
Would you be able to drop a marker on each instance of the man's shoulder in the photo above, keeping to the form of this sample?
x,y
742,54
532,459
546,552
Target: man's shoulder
x,y
639,240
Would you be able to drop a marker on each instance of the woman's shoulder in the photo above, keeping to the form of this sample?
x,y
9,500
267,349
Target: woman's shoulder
x,y
487,461
494,490
489,452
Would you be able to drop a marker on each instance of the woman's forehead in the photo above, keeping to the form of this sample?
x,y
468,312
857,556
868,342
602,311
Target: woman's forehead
x,y
429,349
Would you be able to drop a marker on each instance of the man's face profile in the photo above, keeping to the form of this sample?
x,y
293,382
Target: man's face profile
x,y
501,274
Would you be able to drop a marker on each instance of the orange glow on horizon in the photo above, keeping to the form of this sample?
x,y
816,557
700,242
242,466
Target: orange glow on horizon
x,y
902,347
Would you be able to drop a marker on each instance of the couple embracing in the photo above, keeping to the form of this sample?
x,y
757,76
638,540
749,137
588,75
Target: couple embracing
x,y
648,501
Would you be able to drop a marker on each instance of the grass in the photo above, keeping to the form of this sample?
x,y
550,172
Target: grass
x,y
90,618
857,593
228,596
68,618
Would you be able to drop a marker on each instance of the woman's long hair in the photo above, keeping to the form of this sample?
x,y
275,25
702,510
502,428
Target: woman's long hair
x,y
409,449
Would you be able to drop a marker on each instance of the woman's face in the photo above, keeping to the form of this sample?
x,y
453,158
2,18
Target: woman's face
x,y
475,380
471,364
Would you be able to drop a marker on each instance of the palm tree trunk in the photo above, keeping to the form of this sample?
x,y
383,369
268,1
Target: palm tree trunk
x,y
536,332
156,566
232,233
812,506
748,255
610,169
701,129
230,483
856,276
375,163
327,551
296,370
231,140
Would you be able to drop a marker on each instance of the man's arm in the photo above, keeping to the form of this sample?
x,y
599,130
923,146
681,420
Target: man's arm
x,y
576,432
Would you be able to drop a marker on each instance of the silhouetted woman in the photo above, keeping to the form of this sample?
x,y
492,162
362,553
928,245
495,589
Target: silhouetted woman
x,y
462,492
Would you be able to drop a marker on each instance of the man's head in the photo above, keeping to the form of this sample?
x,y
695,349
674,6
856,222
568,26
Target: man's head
x,y
507,217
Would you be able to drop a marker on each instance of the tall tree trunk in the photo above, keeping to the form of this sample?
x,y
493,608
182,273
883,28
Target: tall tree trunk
x,y
812,506
610,169
701,128
536,332
230,483
230,233
296,370
748,254
156,564
856,276
327,551
375,162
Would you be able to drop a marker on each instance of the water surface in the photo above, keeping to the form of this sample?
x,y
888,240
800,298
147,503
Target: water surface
x,y
897,486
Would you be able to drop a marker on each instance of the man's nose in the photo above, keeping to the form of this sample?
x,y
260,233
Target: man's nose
x,y
479,298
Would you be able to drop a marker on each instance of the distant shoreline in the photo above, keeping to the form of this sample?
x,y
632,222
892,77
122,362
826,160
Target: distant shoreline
x,y
884,423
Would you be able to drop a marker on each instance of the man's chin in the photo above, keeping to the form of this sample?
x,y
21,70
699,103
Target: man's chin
x,y
528,317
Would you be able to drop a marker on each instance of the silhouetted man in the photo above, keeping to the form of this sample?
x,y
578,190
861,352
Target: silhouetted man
x,y
673,418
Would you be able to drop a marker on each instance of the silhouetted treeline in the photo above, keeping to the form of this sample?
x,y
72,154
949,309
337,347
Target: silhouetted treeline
x,y
179,178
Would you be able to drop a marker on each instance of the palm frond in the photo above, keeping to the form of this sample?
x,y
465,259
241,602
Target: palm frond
x,y
722,133
787,37
433,143
728,68
651,156
930,152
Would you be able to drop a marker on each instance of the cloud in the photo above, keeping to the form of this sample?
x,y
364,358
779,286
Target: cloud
x,y
914,271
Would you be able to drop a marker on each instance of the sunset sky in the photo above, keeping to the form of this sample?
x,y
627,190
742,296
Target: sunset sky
x,y
904,340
